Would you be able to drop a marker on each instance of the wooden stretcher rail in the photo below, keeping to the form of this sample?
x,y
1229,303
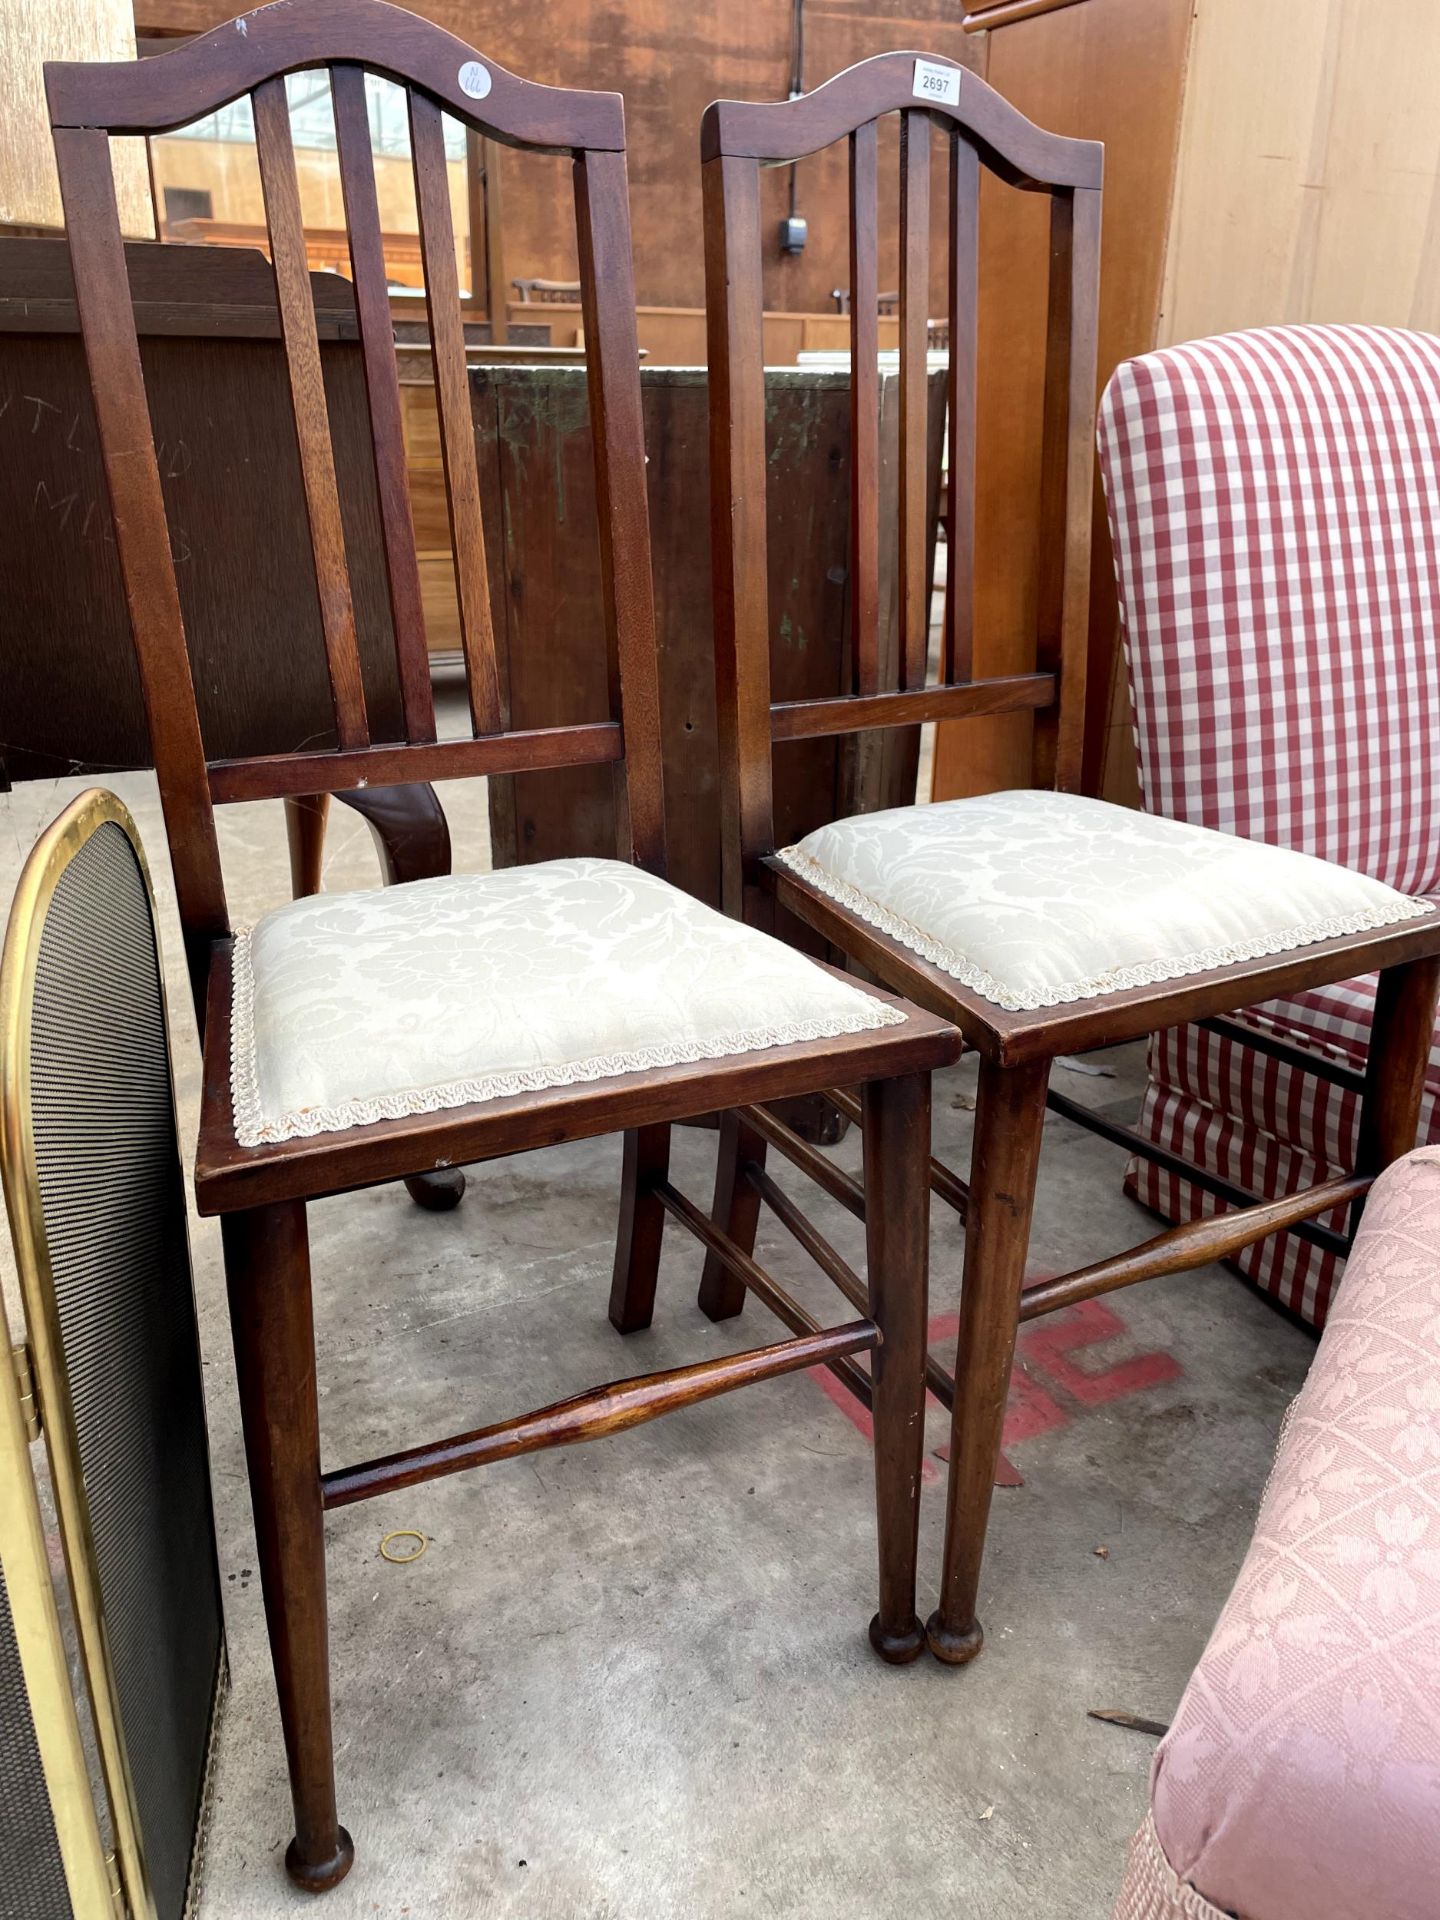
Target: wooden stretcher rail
x,y
1240,1198
855,713
944,1184
590,1416
273,776
786,1310
1193,1245
844,1276
826,1175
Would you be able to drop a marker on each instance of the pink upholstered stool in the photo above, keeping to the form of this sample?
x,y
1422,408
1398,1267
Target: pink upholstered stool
x,y
1301,1777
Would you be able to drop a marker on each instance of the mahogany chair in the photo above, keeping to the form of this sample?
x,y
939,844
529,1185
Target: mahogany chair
x,y
1041,922
353,1039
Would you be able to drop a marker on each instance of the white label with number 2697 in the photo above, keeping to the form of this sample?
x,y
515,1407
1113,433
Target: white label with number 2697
x,y
934,82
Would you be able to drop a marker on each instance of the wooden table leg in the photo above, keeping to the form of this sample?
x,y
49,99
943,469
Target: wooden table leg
x,y
897,1234
1009,1120
736,1212
267,1271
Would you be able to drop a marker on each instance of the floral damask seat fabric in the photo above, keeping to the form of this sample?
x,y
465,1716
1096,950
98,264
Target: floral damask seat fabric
x,y
356,1007
1037,899
1300,1779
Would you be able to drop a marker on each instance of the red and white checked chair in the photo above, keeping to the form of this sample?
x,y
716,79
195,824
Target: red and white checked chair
x,y
1274,502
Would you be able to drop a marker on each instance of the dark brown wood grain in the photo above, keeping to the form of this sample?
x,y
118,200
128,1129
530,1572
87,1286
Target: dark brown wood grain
x,y
916,520
173,89
958,646
452,397
864,414
1012,146
262,1192
267,1269
1194,1244
1016,1048
286,226
641,1230
1009,1119
372,308
592,1416
897,1238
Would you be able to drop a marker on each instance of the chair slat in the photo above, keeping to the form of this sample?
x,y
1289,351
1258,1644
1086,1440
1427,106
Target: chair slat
x,y
960,523
612,359
864,415
1066,483
147,567
452,395
737,513
307,398
914,395
382,385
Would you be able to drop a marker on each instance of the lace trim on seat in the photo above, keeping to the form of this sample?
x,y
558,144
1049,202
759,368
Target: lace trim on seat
x,y
254,1129
1154,1891
1117,979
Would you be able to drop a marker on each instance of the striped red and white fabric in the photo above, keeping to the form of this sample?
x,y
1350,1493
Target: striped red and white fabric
x,y
1274,503
1264,1125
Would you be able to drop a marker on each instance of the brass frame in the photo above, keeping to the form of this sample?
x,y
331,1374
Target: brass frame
x,y
49,858
36,1620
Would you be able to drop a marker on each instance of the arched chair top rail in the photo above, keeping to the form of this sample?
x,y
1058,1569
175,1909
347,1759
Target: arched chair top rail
x,y
776,132
171,90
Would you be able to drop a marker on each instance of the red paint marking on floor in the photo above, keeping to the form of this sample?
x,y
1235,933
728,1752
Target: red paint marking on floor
x,y
1049,1346
1047,1349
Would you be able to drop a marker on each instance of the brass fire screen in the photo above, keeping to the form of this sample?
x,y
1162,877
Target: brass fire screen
x,y
95,1190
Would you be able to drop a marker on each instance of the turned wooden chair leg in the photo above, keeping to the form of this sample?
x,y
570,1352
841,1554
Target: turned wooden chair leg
x,y
736,1211
1402,1034
642,1226
267,1271
897,1235
1009,1119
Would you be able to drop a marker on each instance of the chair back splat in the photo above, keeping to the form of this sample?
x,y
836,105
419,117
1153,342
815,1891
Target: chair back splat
x,y
349,39
983,131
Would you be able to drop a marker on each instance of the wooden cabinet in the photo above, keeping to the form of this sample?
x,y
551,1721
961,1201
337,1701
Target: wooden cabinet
x,y
1266,161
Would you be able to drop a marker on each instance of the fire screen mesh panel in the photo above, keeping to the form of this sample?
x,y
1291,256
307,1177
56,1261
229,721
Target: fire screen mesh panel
x,y
113,1205
32,1876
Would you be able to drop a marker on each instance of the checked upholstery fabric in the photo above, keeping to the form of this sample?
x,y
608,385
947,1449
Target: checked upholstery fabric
x,y
1274,503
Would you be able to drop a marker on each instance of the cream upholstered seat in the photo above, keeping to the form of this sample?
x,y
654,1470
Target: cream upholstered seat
x,y
356,1007
1036,899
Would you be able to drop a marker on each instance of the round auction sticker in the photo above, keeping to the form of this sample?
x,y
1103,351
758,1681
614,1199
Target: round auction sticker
x,y
475,79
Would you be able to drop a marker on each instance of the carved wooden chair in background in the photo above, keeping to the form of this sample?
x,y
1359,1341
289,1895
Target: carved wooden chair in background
x,y
1041,922
353,1039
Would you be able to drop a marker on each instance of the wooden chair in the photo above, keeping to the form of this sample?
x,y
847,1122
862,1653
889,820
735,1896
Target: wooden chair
x,y
1040,922
627,1006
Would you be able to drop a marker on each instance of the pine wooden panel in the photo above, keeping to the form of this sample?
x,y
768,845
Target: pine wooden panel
x,y
1309,178
32,32
1108,70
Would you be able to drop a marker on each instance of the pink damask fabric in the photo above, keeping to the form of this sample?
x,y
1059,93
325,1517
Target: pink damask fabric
x,y
1300,1779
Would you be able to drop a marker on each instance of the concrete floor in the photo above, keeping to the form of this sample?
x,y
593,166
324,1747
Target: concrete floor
x,y
631,1680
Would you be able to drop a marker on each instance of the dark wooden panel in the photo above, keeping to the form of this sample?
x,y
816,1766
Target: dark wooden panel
x,y
219,402
533,428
